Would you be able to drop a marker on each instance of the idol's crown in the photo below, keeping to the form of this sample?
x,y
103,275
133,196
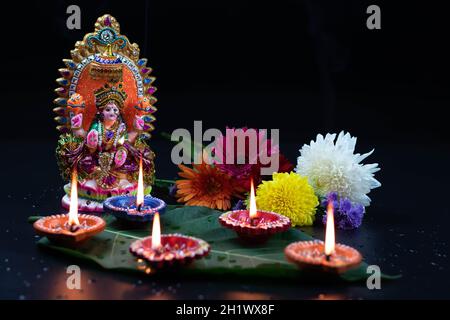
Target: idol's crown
x,y
109,93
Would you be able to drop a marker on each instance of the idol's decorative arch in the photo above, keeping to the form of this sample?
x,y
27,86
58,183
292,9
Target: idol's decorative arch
x,y
104,113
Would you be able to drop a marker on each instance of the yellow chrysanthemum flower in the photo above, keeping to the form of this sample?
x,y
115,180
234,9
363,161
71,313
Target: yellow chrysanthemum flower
x,y
288,194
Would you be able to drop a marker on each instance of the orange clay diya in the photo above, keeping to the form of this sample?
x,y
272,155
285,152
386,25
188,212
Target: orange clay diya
x,y
70,229
169,250
316,255
253,226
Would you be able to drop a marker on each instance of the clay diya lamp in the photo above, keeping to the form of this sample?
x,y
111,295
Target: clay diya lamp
x,y
134,209
131,209
316,255
168,250
70,229
254,226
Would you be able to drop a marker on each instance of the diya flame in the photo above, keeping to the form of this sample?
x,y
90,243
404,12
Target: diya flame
x,y
156,232
140,189
329,231
253,211
73,211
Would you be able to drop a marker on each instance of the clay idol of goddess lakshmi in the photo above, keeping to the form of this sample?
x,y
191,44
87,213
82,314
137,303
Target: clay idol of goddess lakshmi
x,y
105,114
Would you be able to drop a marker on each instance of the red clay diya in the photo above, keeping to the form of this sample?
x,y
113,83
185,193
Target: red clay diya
x,y
253,226
325,256
169,250
257,229
70,229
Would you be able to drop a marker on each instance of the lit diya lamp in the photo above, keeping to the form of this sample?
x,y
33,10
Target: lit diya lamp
x,y
167,250
328,256
137,208
70,229
254,226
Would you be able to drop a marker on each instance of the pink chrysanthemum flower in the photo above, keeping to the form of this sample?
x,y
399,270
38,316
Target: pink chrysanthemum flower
x,y
250,164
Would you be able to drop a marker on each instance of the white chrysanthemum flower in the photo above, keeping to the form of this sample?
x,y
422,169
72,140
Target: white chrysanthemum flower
x,y
332,166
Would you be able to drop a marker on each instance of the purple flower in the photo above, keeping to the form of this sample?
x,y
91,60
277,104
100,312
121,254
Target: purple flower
x,y
332,196
347,215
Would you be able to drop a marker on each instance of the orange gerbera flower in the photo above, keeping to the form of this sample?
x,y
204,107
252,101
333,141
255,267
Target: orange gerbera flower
x,y
205,185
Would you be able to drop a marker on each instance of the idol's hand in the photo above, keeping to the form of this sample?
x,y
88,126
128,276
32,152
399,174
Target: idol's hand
x,y
76,121
139,123
92,139
120,157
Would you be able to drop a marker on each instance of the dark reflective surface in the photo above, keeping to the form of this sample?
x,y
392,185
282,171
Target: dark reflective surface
x,y
404,231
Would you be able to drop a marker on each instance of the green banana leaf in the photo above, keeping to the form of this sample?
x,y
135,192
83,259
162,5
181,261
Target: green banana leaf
x,y
228,257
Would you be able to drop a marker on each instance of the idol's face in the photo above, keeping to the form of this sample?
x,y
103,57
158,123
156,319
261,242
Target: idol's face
x,y
110,112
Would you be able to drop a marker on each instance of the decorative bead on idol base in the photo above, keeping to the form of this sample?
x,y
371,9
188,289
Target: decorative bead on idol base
x,y
175,250
310,255
84,205
58,230
255,230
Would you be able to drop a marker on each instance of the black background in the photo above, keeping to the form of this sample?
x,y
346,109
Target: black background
x,y
305,67
302,66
